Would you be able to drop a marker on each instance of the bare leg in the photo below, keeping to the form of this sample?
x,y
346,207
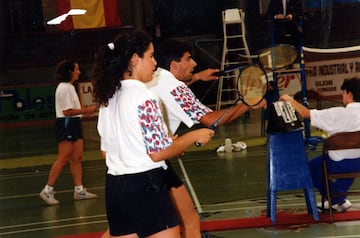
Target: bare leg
x,y
76,162
173,232
184,205
65,151
106,234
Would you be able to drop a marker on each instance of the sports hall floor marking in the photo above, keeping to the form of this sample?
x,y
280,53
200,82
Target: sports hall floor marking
x,y
190,187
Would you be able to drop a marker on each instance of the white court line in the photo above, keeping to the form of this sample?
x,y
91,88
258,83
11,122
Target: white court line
x,y
190,187
345,236
52,221
252,207
37,194
36,172
51,227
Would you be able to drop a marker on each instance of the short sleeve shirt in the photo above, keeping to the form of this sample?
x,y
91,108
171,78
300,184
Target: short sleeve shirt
x,y
66,98
181,104
338,119
131,127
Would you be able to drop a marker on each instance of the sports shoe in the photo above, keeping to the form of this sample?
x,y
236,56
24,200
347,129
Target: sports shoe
x,y
48,198
238,146
343,206
84,195
340,207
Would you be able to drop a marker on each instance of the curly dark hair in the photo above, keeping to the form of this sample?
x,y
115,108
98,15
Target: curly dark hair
x,y
63,70
113,60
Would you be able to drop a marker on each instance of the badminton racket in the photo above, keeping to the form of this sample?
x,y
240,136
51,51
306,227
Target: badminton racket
x,y
277,56
251,87
273,58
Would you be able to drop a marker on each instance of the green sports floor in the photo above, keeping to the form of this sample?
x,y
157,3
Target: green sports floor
x,y
224,186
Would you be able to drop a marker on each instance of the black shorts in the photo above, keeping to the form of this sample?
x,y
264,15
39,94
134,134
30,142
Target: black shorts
x,y
68,128
172,179
139,203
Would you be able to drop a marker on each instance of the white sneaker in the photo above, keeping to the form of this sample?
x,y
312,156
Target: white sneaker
x,y
221,148
84,195
238,146
340,207
48,198
343,206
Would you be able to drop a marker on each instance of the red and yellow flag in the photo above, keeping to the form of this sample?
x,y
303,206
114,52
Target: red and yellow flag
x,y
99,13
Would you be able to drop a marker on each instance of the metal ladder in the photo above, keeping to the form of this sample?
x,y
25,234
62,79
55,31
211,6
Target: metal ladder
x,y
235,52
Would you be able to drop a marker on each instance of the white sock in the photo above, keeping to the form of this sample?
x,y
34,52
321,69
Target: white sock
x,y
48,188
79,188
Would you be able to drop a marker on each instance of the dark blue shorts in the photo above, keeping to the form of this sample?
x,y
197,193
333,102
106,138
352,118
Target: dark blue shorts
x,y
172,179
139,203
68,129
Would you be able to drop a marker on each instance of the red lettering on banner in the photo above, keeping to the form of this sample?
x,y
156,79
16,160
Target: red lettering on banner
x,y
250,84
284,80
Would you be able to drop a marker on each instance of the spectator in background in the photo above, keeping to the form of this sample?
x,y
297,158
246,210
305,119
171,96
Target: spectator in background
x,y
283,16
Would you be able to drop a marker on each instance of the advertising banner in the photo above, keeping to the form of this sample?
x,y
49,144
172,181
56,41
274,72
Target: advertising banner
x,y
326,77
35,103
24,104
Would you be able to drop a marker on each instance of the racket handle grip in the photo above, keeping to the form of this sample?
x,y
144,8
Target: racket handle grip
x,y
212,127
220,73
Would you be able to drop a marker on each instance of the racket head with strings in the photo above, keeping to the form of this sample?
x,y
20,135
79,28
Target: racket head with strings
x,y
277,56
252,85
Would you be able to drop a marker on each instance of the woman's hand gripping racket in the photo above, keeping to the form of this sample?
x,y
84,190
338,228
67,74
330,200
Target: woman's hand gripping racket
x,y
251,87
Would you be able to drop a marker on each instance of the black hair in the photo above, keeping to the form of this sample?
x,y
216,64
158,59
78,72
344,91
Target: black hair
x,y
352,85
170,50
113,60
63,70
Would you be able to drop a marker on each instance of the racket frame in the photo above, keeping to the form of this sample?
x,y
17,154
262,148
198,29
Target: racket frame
x,y
271,56
240,96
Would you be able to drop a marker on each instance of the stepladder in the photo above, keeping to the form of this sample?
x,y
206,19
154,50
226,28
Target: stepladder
x,y
235,54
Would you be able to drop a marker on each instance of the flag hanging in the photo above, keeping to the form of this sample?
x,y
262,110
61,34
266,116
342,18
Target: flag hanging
x,y
99,13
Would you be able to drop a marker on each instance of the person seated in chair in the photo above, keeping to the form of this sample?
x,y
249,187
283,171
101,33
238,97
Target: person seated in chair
x,y
334,120
283,16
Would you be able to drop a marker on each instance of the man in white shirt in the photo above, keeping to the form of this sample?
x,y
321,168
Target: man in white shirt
x,y
169,83
334,120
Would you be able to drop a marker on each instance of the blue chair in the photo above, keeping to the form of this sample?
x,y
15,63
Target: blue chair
x,y
288,169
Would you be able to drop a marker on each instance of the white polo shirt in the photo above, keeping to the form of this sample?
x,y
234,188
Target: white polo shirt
x,y
338,119
66,98
181,104
131,127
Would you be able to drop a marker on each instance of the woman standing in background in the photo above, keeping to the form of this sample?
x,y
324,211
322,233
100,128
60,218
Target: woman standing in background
x,y
68,132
